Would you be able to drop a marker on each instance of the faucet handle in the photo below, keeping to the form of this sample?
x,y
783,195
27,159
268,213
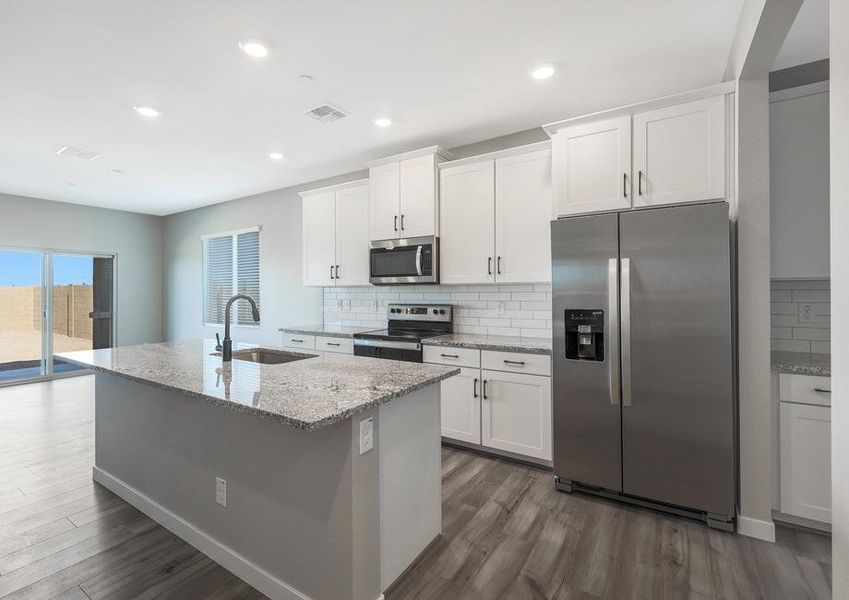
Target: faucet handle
x,y
218,346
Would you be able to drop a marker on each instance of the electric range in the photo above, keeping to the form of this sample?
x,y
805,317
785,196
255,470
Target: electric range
x,y
408,325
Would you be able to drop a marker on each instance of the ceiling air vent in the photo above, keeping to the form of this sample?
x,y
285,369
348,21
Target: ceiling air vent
x,y
326,113
80,153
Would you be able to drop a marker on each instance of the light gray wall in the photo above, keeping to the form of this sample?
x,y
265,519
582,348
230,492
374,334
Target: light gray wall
x,y
284,300
839,139
136,240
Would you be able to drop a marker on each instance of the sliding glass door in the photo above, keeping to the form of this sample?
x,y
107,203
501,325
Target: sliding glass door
x,y
52,302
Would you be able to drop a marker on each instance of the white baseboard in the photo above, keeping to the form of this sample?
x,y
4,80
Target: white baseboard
x,y
756,528
225,556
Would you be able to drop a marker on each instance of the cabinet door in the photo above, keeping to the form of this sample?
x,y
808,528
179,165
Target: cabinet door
x,y
516,413
352,243
523,212
319,232
806,461
467,222
461,406
799,187
383,202
592,166
679,153
418,196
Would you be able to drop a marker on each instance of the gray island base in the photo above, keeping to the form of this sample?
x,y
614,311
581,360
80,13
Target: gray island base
x,y
310,513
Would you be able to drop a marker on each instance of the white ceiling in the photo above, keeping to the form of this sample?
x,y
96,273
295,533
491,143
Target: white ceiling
x,y
446,71
807,40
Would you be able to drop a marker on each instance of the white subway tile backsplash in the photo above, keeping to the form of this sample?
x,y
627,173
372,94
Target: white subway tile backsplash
x,y
494,309
789,333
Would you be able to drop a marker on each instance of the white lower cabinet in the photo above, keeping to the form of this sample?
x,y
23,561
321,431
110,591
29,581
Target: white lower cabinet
x,y
500,410
516,413
805,447
461,407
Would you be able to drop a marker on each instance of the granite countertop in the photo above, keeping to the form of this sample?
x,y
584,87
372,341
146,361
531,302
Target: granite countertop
x,y
326,330
501,343
306,394
801,363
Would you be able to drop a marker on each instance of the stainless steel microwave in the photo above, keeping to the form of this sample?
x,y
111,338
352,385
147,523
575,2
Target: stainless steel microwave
x,y
409,260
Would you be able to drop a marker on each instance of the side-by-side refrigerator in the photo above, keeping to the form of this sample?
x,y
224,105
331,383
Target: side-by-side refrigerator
x,y
644,406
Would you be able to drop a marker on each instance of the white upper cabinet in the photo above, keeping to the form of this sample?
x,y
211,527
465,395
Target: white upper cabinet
x,y
384,201
523,213
679,153
403,196
592,165
495,218
799,182
467,196
352,243
335,235
319,234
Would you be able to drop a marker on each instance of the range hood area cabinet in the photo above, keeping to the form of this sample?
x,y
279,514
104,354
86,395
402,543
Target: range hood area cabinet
x,y
403,194
335,235
494,218
661,153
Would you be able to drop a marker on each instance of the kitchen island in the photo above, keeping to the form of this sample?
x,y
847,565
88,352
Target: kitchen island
x,y
316,478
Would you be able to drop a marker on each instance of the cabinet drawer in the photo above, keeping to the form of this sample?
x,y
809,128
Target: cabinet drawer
x,y
297,340
804,389
459,357
334,344
514,362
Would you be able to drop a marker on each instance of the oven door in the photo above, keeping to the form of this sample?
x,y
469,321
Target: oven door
x,y
405,351
410,260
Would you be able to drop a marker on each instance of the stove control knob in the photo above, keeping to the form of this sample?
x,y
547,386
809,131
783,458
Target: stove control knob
x,y
441,311
435,311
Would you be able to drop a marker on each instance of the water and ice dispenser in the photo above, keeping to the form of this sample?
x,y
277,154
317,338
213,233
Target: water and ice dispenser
x,y
585,335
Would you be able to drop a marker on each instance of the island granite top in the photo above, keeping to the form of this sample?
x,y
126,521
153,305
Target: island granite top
x,y
499,343
306,394
337,331
801,363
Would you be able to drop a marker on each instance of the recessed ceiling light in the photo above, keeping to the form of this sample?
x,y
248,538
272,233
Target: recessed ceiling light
x,y
383,121
275,155
146,111
542,72
116,171
254,48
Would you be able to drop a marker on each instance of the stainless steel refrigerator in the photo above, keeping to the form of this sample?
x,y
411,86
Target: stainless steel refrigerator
x,y
644,406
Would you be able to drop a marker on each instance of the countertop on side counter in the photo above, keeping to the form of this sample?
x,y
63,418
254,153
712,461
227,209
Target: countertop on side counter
x,y
306,394
801,363
499,343
326,330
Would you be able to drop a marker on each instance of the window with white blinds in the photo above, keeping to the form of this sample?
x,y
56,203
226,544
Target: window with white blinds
x,y
230,266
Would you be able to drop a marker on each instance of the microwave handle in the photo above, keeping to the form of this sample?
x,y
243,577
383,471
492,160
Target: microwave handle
x,y
419,261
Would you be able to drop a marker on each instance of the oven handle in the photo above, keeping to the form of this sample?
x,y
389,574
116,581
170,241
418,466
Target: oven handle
x,y
419,261
387,344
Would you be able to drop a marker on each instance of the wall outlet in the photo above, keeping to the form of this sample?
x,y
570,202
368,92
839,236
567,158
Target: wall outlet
x,y
806,313
340,305
348,305
366,435
220,491
372,305
500,308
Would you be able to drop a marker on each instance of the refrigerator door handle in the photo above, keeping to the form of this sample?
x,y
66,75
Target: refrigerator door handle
x,y
613,329
626,332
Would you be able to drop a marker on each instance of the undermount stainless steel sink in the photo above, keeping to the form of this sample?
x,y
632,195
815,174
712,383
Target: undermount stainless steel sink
x,y
269,357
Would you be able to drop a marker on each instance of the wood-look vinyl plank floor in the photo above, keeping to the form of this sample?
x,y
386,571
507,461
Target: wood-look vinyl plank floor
x,y
507,534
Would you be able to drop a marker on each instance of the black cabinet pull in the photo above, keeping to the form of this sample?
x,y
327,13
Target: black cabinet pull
x,y
822,390
332,344
331,272
450,355
402,222
498,266
337,271
299,341
489,265
396,222
640,183
475,389
521,363
484,390
624,185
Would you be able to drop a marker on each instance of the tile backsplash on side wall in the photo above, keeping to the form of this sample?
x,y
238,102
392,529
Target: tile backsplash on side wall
x,y
801,315
495,309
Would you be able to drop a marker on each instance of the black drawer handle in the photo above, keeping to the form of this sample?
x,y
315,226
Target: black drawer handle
x,y
520,363
475,390
299,341
822,390
484,390
450,355
332,344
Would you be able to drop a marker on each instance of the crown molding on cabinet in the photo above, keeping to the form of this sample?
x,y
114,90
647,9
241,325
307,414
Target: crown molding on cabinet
x,y
438,150
514,151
